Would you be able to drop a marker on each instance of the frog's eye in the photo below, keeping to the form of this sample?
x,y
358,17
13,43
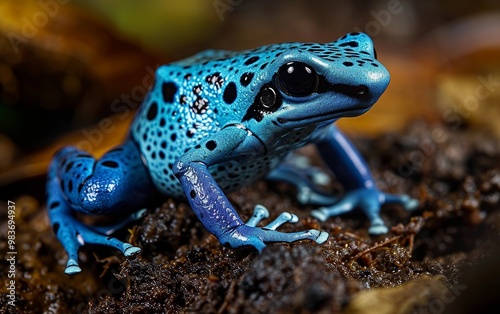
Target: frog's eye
x,y
297,79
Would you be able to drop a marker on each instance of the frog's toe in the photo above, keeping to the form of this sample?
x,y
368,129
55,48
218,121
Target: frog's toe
x,y
282,219
72,267
307,196
410,203
322,237
378,227
304,194
406,201
320,177
108,230
129,250
319,214
344,206
259,213
140,214
376,230
126,248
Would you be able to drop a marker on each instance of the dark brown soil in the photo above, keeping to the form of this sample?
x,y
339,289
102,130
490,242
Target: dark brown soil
x,y
451,240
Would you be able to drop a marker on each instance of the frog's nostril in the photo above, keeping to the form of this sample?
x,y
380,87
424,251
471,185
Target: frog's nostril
x,y
361,90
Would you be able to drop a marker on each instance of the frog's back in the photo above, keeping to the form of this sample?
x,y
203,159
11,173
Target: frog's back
x,y
195,97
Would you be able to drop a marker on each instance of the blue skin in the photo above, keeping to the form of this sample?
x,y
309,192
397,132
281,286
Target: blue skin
x,y
218,121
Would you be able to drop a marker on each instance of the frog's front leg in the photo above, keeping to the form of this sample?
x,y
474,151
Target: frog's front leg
x,y
211,205
353,173
76,182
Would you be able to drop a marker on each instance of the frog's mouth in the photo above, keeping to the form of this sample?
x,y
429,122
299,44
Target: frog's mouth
x,y
324,116
355,101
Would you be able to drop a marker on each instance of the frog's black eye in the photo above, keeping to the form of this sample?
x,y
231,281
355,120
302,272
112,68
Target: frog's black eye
x,y
297,79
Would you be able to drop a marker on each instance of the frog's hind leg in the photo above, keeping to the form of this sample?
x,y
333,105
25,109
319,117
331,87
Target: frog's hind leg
x,y
77,182
297,171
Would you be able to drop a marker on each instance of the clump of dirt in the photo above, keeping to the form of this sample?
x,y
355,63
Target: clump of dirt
x,y
428,253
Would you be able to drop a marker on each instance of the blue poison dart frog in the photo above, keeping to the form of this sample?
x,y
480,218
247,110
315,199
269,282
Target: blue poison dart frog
x,y
220,120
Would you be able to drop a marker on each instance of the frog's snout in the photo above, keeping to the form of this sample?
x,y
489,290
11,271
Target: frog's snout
x,y
358,42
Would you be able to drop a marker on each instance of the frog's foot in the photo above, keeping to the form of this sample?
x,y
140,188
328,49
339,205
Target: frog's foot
x,y
404,200
323,213
301,165
73,234
368,200
377,225
250,235
297,171
108,230
308,196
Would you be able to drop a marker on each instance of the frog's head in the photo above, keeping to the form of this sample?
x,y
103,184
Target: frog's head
x,y
315,84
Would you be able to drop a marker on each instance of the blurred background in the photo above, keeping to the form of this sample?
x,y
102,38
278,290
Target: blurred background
x,y
73,72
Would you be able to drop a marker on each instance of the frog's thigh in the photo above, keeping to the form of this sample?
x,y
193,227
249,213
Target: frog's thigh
x,y
117,181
